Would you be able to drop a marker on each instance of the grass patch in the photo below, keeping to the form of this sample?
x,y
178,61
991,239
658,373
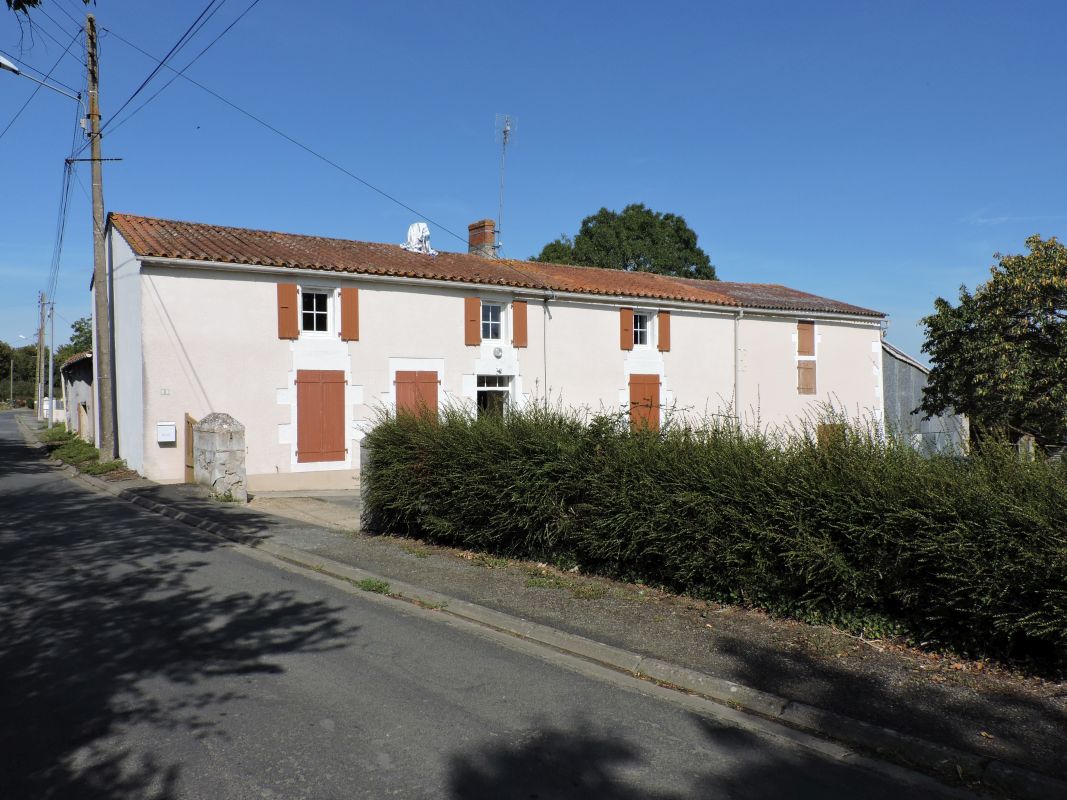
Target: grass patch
x,y
77,452
489,561
417,550
57,433
372,585
589,591
102,467
544,582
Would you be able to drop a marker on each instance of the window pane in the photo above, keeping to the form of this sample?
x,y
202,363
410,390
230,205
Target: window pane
x,y
320,322
320,302
308,301
640,329
309,321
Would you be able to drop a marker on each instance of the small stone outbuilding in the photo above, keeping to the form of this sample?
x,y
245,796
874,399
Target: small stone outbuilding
x,y
76,376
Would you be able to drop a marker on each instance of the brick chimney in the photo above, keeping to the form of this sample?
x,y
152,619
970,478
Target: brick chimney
x,y
480,238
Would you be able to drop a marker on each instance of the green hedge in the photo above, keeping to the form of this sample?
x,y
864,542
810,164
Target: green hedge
x,y
966,552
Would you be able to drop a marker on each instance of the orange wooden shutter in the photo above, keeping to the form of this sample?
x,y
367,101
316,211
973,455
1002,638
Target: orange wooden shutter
x,y
427,390
805,338
806,377
664,331
472,320
350,314
518,323
320,415
416,392
644,402
406,392
626,328
288,319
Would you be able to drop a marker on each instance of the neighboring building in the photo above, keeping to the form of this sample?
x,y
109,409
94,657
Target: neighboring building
x,y
76,376
305,340
904,379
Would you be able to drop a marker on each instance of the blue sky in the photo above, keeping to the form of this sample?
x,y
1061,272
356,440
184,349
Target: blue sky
x,y
877,153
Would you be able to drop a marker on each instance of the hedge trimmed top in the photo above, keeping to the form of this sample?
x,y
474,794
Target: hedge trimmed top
x,y
160,238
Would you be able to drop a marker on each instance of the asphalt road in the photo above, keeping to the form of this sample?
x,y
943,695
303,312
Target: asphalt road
x,y
141,659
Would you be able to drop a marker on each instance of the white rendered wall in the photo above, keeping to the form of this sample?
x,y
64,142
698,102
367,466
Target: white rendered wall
x,y
700,364
129,364
844,376
210,344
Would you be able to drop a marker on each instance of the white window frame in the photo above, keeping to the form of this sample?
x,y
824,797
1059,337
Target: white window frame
x,y
494,383
501,323
649,328
331,305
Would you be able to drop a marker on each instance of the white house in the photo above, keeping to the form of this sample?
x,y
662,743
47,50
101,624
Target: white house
x,y
305,339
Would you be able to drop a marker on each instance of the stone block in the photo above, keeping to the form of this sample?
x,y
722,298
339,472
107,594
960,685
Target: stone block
x,y
219,456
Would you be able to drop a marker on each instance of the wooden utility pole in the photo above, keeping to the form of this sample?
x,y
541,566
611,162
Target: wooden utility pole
x,y
101,284
40,360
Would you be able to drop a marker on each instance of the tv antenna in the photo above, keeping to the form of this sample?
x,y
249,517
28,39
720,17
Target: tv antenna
x,y
505,131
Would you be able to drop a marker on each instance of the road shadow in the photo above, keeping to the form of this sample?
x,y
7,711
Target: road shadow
x,y
579,761
99,599
1020,728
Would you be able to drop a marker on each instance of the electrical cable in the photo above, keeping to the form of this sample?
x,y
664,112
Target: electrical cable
x,y
155,71
50,18
64,208
47,76
291,140
68,15
181,73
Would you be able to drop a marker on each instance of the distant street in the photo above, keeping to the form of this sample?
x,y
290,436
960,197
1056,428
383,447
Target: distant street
x,y
139,659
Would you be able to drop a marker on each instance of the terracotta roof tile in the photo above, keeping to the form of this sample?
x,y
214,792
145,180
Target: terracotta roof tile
x,y
74,359
160,238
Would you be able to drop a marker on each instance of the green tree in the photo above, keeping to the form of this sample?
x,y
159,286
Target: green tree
x,y
1000,356
637,239
25,364
81,340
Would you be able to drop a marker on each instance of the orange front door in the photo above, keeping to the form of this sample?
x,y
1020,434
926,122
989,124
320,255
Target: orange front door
x,y
320,415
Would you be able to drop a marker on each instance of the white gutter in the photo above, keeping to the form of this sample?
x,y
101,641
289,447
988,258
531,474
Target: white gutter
x,y
519,291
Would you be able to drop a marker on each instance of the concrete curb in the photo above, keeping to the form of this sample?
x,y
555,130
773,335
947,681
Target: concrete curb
x,y
940,760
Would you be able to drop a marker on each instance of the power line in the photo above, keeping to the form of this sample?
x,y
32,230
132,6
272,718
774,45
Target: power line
x,y
291,140
47,76
177,46
181,73
50,18
64,209
68,15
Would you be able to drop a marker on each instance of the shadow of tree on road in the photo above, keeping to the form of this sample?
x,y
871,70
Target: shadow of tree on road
x,y
580,761
96,600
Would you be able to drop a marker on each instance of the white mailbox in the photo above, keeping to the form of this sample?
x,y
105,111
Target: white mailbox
x,y
166,432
